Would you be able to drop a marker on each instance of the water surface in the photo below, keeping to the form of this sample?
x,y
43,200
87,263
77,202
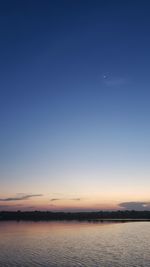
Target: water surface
x,y
68,244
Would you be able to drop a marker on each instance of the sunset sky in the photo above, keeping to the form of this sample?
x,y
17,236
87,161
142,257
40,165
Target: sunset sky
x,y
74,105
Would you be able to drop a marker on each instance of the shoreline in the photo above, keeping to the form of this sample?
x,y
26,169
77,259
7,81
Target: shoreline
x,y
100,216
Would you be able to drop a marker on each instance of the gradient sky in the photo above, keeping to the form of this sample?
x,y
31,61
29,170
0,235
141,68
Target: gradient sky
x,y
74,104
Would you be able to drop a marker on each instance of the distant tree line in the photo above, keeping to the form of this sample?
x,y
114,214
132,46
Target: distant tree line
x,y
80,216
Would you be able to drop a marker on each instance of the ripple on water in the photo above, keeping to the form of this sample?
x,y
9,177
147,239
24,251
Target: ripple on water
x,y
54,244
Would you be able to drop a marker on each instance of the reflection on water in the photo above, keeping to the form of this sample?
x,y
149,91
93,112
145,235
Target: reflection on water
x,y
58,244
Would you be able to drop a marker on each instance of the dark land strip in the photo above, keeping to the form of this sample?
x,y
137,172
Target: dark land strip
x,y
99,216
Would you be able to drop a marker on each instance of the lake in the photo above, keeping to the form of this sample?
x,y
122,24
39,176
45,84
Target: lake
x,y
68,244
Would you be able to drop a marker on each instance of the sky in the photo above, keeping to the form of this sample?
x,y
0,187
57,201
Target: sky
x,y
74,105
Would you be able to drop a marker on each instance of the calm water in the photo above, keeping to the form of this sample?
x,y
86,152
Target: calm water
x,y
74,244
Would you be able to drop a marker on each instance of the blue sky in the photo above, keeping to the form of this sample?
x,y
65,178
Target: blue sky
x,y
74,103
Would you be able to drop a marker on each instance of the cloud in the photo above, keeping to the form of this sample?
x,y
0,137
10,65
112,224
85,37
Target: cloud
x,y
114,82
110,80
135,205
59,199
58,194
76,199
4,206
20,197
55,199
10,207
